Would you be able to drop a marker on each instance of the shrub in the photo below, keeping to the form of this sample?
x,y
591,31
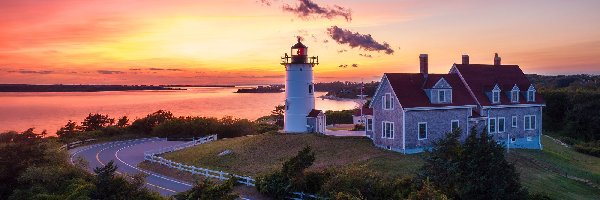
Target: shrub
x,y
590,148
146,124
339,117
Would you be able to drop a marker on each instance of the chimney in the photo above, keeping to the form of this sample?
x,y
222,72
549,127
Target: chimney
x,y
465,59
424,66
497,60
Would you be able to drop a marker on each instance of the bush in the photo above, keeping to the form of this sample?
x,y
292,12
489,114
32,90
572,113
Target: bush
x,y
591,148
362,183
207,190
146,124
187,127
358,127
339,117
291,177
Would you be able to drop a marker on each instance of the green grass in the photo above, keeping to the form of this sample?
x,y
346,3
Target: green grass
x,y
564,160
260,154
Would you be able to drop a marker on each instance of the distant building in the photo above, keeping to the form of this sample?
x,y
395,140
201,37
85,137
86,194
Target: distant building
x,y
300,114
413,110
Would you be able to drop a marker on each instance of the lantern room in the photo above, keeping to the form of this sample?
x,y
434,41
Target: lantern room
x,y
299,55
299,52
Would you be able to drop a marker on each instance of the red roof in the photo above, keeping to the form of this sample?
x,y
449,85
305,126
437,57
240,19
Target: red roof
x,y
482,78
314,113
365,111
409,89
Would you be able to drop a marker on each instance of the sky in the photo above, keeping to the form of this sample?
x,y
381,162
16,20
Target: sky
x,y
241,42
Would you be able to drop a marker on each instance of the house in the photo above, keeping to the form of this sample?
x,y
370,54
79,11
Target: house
x,y
413,110
315,121
360,116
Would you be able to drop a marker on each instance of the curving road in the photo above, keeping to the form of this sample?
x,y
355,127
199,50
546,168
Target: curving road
x,y
127,155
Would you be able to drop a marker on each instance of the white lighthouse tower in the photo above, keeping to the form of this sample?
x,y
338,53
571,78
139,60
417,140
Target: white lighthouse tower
x,y
300,113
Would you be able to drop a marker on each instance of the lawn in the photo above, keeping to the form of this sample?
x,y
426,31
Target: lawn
x,y
259,154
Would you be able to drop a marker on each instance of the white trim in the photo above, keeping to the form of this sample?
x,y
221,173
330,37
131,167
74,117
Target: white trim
x,y
440,108
403,129
531,118
378,88
495,93
419,130
451,122
495,125
438,95
392,128
367,124
503,124
385,101
514,106
514,123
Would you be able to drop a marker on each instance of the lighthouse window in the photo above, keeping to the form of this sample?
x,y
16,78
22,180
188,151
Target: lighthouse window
x,y
310,88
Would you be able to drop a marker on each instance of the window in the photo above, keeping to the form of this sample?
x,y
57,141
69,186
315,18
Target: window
x,y
529,122
514,96
529,139
501,123
492,125
531,95
514,121
455,124
310,88
369,124
512,140
495,96
422,130
441,96
387,101
388,130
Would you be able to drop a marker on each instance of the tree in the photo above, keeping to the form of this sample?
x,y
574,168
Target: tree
x,y
427,192
19,151
123,122
146,124
109,186
277,115
207,190
279,184
68,130
476,169
96,121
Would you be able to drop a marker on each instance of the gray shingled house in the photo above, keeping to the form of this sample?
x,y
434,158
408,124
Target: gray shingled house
x,y
412,110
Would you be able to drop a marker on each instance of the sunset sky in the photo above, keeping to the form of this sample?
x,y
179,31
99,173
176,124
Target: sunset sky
x,y
240,42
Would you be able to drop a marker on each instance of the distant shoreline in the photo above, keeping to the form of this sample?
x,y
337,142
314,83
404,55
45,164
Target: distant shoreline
x,y
78,88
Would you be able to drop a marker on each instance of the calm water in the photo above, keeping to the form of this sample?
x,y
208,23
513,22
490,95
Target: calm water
x,y
50,111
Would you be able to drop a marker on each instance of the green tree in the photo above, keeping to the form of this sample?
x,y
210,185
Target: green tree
x,y
96,121
19,151
279,184
277,115
68,130
123,122
207,190
476,169
146,124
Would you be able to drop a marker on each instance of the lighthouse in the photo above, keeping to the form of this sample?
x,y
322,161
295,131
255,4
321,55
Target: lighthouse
x,y
300,114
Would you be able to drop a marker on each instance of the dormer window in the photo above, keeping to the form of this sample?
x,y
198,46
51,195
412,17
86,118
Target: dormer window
x,y
531,94
496,94
442,96
514,94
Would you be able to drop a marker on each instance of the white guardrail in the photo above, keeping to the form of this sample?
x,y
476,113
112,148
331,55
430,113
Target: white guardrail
x,y
152,156
76,144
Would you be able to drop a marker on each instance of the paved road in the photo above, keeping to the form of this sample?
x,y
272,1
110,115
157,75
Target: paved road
x,y
127,155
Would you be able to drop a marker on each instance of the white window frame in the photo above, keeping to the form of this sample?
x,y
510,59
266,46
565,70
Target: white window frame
x,y
514,96
452,122
503,125
530,95
383,132
442,94
495,96
385,101
490,125
532,121
514,121
419,130
369,126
